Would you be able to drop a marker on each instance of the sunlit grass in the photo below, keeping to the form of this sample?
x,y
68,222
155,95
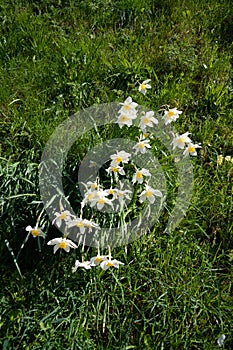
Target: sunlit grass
x,y
59,57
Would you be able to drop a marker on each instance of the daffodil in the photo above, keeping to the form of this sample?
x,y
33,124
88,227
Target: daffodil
x,y
92,185
35,231
149,194
228,158
100,199
85,264
141,146
144,86
139,175
128,107
62,243
63,216
180,140
105,264
171,115
147,119
126,119
191,149
115,169
96,260
120,157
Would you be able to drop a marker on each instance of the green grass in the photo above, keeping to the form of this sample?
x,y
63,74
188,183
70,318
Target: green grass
x,y
57,57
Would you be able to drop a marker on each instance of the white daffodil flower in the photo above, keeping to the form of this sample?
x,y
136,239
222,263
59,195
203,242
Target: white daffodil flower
x,y
100,199
64,215
110,263
92,185
149,194
147,119
128,107
122,195
115,169
90,225
138,176
228,158
120,157
141,146
78,222
62,243
180,140
96,260
191,149
126,119
85,264
35,231
144,86
171,115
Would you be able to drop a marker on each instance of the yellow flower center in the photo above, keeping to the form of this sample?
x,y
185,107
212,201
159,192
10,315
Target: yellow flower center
x,y
191,149
145,134
35,232
139,175
98,259
80,224
62,245
109,263
63,216
181,140
170,114
141,145
90,196
146,120
127,107
94,186
114,169
111,191
101,201
119,159
148,194
124,118
143,86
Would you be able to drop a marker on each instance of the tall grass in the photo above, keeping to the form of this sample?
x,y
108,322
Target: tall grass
x,y
59,57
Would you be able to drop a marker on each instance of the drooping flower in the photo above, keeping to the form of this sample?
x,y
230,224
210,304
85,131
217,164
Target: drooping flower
x,y
92,185
141,146
63,215
115,169
85,264
149,194
191,149
120,157
144,86
100,199
128,107
35,231
228,158
180,140
147,119
96,260
105,264
138,176
171,115
126,119
62,243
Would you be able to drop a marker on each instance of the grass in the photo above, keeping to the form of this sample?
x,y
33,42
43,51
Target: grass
x,y
175,290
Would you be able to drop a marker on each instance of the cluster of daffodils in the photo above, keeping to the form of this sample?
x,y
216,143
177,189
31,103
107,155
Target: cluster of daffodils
x,y
116,196
221,159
